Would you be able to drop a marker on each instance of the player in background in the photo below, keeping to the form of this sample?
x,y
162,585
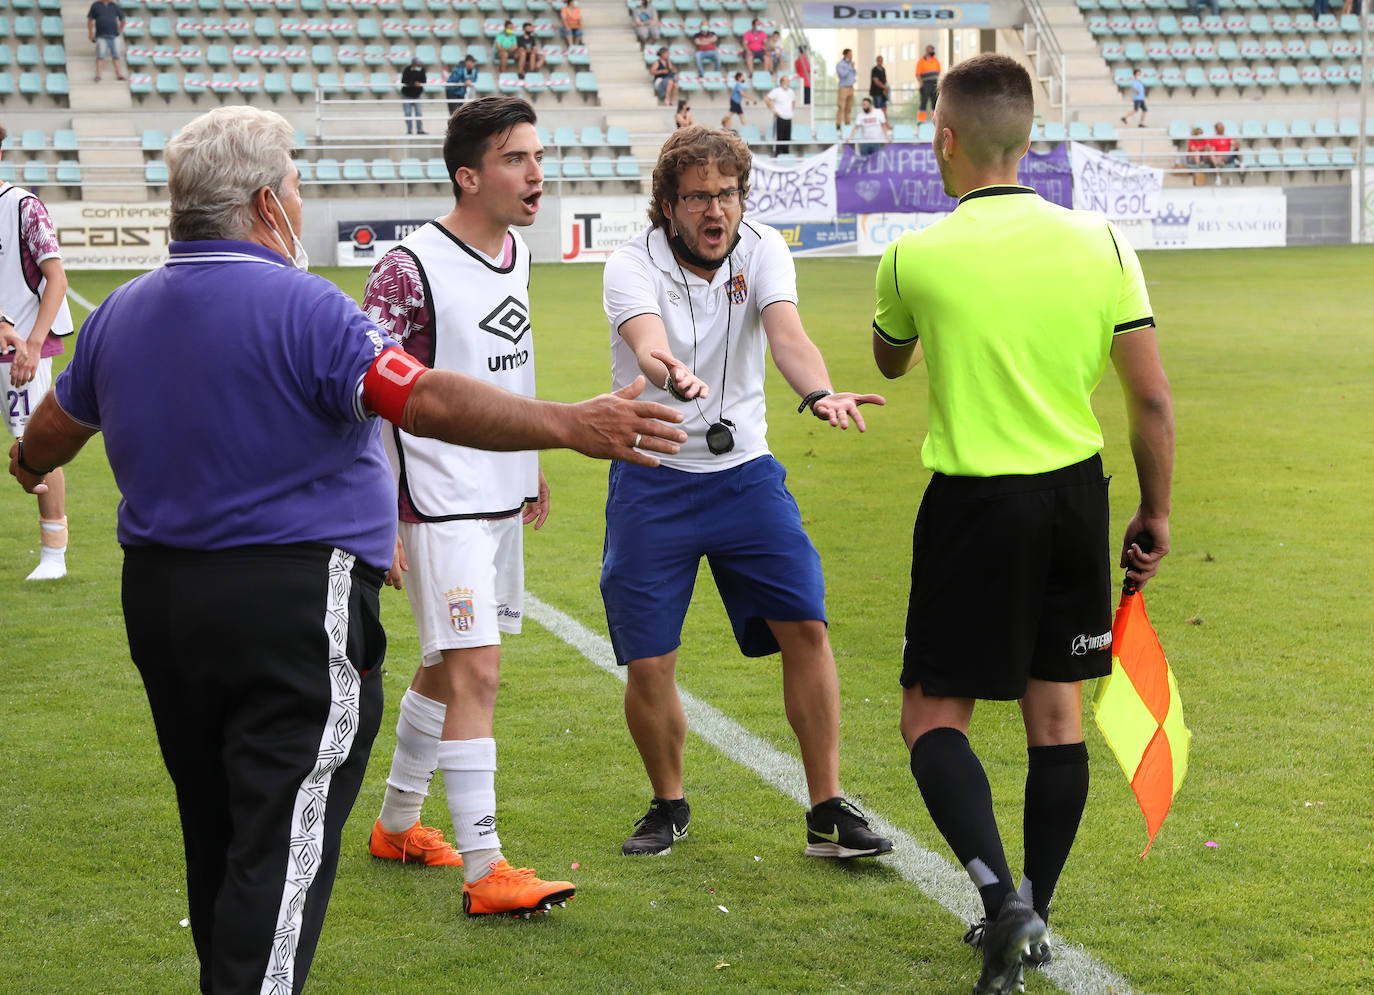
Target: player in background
x,y
33,307
455,294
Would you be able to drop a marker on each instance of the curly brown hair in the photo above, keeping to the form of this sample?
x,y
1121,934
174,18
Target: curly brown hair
x,y
696,146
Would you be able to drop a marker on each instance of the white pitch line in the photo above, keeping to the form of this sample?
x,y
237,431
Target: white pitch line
x,y
80,300
1074,970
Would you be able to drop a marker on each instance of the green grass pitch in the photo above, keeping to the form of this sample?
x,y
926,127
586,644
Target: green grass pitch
x,y
1263,607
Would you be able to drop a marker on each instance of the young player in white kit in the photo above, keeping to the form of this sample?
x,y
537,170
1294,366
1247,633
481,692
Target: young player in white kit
x,y
455,294
33,317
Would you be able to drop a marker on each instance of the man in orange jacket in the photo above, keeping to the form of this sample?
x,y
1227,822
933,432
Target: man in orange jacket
x,y
928,72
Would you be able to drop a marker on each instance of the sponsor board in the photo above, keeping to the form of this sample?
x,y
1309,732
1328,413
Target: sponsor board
x,y
835,237
591,228
877,231
362,243
881,14
1212,218
95,235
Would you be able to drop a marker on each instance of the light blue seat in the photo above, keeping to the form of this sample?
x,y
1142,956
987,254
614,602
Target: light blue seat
x,y
354,84
411,169
155,173
1343,157
327,171
904,131
217,56
64,140
591,136
153,140
827,133
585,82
6,84
302,84
601,167
328,83
274,84
167,84
1080,131
27,57
573,168
1103,131
627,167
384,171
565,136
68,172
617,136
54,56
1276,128
380,84
35,173
140,84
248,83
1055,131
749,134
436,170
33,140
1318,158
355,170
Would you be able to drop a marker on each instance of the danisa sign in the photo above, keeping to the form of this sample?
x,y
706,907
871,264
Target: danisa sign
x,y
896,15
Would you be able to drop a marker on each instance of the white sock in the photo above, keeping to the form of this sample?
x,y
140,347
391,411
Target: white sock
x,y
413,762
52,555
469,767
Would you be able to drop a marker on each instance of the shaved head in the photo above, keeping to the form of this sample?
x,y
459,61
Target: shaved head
x,y
987,102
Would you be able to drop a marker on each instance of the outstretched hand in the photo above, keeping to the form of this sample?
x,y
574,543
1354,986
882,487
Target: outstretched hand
x,y
617,426
689,385
840,409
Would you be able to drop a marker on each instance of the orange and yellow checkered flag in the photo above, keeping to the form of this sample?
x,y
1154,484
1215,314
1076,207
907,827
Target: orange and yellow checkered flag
x,y
1139,711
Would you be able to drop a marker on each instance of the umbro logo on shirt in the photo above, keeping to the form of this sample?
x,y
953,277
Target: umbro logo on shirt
x,y
509,320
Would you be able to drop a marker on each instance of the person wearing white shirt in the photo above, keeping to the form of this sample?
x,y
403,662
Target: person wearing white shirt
x,y
873,129
694,304
781,101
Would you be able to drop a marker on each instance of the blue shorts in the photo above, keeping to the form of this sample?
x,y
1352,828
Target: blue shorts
x,y
661,522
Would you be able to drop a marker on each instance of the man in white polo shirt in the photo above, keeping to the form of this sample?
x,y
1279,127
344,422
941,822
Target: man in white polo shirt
x,y
694,303
780,101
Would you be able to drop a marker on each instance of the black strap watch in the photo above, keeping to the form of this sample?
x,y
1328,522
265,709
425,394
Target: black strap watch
x,y
7,319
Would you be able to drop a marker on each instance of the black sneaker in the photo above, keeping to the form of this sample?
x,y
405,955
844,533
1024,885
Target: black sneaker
x,y
663,825
1015,938
836,828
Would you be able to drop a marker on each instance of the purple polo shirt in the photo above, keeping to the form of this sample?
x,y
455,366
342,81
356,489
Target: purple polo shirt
x,y
228,386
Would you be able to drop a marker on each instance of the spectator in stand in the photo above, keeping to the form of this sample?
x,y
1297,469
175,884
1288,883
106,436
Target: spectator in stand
x,y
665,78
877,84
802,67
756,48
844,98
1137,99
413,80
736,102
776,55
460,83
572,23
872,127
1223,149
647,27
504,46
706,41
781,101
1199,154
1319,7
1195,6
104,25
928,74
528,54
683,117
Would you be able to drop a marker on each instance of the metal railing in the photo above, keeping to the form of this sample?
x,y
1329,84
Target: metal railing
x,y
1044,50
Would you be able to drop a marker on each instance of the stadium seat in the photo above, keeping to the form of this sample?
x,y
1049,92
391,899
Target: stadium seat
x,y
601,167
1311,74
573,168
617,136
35,173
1219,77
1194,77
1205,51
155,173
354,84
1318,158
1266,75
1324,127
411,169
383,170
436,170
64,140
903,131
1294,158
327,171
1343,157
140,84
1242,76
68,172
1113,52
54,56
1103,131
591,136
627,167
585,82
1135,53
274,85
380,84
750,134
51,27
27,57
1318,49
1300,128
1055,131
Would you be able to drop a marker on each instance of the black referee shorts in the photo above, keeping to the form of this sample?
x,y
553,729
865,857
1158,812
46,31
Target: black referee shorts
x,y
262,667
1010,579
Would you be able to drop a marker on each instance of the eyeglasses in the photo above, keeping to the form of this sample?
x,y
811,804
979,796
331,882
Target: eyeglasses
x,y
700,200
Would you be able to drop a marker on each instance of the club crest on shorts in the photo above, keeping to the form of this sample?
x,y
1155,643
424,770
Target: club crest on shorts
x,y
460,608
738,289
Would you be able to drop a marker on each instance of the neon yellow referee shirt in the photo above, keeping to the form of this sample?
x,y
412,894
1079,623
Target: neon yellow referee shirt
x,y
1015,301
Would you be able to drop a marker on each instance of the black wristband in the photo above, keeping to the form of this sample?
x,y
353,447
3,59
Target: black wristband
x,y
670,385
19,458
809,401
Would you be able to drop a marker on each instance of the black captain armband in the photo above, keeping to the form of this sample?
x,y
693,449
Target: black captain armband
x,y
809,401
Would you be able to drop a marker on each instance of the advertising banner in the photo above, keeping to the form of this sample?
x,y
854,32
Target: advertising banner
x,y
879,14
1118,189
95,235
362,243
877,231
801,191
1361,218
1212,218
835,237
904,179
591,228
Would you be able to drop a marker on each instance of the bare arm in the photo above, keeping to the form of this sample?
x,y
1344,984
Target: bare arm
x,y
803,367
646,335
48,305
895,360
1150,409
468,412
51,439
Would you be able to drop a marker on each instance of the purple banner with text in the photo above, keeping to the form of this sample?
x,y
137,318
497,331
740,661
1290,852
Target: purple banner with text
x,y
904,179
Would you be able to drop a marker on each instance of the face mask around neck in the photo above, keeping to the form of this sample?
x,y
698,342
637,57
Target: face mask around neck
x,y
296,253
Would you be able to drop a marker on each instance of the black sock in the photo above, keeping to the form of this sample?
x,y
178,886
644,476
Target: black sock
x,y
1056,791
956,793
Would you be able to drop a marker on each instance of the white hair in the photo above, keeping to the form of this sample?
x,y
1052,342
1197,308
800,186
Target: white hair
x,y
218,162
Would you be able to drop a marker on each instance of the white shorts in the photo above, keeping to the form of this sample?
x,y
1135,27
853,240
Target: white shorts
x,y
21,402
466,582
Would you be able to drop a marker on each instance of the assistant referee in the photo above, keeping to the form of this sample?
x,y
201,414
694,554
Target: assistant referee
x,y
1016,305
236,394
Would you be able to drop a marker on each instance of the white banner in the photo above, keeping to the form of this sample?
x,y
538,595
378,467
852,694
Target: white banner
x,y
878,231
1368,213
1213,218
1120,190
95,235
591,228
803,191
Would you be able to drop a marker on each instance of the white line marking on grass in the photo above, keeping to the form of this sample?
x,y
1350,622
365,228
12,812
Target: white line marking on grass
x,y
1074,970
80,300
